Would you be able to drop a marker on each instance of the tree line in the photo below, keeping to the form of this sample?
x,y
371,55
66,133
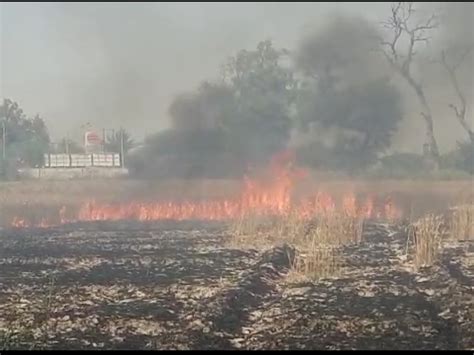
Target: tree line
x,y
338,100
25,140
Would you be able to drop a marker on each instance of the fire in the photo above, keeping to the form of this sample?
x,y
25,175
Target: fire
x,y
19,223
270,194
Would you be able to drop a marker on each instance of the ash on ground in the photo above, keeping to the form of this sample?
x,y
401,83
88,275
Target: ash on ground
x,y
180,286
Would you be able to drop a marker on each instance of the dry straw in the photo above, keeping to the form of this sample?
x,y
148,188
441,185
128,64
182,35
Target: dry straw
x,y
318,240
426,235
461,224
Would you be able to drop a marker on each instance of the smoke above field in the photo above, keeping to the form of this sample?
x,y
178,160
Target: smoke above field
x,y
122,63
165,71
454,35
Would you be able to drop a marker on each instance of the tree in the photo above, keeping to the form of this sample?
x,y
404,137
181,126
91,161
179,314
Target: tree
x,y
452,59
455,45
401,165
354,125
263,91
114,141
221,128
196,145
465,159
67,145
347,107
461,158
400,26
206,108
185,154
27,139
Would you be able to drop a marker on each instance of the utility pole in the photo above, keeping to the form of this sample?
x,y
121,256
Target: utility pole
x,y
122,158
4,140
67,144
104,140
107,138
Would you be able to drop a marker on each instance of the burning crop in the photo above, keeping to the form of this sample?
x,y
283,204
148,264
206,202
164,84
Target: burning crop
x,y
269,193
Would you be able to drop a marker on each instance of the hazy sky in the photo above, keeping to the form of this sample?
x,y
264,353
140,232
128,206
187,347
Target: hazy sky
x,y
121,64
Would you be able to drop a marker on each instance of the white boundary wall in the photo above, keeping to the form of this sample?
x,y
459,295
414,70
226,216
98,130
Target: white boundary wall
x,y
72,173
104,160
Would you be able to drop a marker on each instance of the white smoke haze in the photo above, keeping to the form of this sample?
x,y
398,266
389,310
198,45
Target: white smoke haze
x,y
122,64
454,33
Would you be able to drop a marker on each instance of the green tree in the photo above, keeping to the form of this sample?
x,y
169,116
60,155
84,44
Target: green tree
x,y
264,91
27,139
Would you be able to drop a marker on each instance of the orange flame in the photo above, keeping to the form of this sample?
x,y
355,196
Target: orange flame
x,y
18,222
268,195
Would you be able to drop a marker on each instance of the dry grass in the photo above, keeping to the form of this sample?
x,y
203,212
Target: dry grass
x,y
249,231
317,241
426,235
253,230
461,222
319,248
320,262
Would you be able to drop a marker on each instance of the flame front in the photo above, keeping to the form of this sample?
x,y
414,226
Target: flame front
x,y
267,195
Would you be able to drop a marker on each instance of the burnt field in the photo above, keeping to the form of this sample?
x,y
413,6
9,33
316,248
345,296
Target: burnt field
x,y
182,285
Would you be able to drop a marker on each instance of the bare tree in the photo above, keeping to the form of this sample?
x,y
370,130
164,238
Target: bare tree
x,y
451,67
400,26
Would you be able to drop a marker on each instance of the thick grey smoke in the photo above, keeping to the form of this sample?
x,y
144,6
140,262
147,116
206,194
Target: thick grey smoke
x,y
116,64
350,107
456,37
344,48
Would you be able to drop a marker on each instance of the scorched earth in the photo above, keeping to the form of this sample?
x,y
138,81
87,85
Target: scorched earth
x,y
179,285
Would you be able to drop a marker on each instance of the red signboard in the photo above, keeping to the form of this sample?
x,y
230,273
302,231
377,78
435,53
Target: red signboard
x,y
92,138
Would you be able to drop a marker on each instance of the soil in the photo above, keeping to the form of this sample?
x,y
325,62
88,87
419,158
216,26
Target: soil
x,y
179,285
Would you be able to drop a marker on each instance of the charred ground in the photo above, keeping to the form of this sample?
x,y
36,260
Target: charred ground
x,y
170,285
